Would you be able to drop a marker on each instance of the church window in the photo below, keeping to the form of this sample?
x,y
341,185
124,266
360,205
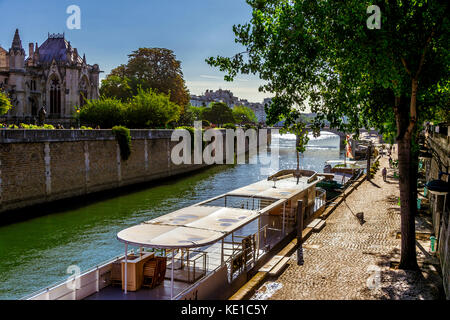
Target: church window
x,y
83,91
55,97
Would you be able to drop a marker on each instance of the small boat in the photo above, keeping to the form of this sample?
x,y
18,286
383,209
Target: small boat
x,y
205,251
344,171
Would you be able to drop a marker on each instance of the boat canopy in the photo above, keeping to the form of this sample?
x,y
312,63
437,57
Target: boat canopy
x,y
203,224
191,227
284,189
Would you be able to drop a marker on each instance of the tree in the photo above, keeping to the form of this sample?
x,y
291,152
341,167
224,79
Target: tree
x,y
5,104
197,112
149,109
327,55
156,69
219,113
244,115
117,87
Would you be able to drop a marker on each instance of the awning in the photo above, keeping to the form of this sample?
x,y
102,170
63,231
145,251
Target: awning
x,y
191,227
285,188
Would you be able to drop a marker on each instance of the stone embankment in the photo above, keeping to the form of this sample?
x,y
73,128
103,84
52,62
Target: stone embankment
x,y
349,261
42,166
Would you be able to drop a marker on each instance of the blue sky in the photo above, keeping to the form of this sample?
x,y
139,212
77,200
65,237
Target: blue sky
x,y
110,30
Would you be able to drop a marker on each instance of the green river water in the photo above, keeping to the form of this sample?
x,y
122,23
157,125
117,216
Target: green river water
x,y
36,253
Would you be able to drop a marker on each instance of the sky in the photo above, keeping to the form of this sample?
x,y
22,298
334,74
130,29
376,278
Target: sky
x,y
110,30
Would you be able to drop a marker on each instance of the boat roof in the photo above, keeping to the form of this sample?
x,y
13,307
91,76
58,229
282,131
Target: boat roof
x,y
202,224
285,188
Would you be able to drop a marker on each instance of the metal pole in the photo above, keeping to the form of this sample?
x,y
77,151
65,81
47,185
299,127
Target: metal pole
x,y
222,258
188,266
369,154
171,276
284,218
299,232
126,268
259,232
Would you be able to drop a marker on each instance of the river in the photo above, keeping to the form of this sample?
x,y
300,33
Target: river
x,y
36,253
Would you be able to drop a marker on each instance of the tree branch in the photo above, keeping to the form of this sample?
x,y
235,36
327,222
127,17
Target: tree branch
x,y
422,58
404,64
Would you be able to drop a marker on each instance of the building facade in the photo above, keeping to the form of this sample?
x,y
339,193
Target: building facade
x,y
53,76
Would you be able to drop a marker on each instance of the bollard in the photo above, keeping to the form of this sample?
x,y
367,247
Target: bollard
x,y
419,203
433,244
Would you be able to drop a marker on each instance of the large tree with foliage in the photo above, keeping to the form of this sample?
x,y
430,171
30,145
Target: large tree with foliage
x,y
243,115
116,87
5,104
219,113
156,69
336,58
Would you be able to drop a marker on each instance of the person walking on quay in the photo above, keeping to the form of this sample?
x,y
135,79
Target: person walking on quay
x,y
384,173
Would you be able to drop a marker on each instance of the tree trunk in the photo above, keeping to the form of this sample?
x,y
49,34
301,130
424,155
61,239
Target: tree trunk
x,y
408,192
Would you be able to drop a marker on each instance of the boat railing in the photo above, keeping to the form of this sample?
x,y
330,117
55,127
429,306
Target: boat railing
x,y
198,265
69,287
320,200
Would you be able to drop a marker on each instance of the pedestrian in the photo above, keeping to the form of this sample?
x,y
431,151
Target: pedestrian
x,y
384,172
390,161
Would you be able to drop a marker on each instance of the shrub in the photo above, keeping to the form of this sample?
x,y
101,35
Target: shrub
x,y
249,126
229,126
149,109
123,138
206,123
5,104
105,112
243,115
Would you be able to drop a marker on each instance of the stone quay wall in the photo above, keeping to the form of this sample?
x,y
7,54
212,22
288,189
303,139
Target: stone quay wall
x,y
42,166
439,142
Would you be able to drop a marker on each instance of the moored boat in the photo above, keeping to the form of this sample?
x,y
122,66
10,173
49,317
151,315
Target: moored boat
x,y
205,251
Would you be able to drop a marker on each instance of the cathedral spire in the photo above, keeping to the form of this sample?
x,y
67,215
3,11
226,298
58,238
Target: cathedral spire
x,y
17,43
84,58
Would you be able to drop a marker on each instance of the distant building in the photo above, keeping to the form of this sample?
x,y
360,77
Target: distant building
x,y
53,76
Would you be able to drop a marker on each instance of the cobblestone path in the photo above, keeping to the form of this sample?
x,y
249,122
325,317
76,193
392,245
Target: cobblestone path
x,y
347,261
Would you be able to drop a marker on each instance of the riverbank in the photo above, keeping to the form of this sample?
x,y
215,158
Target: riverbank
x,y
347,261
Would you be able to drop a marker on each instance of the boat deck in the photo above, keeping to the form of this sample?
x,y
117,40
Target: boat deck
x,y
162,292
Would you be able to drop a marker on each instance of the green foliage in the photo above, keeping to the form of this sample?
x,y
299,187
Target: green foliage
x,y
206,123
5,104
229,126
323,55
116,87
123,138
250,126
151,68
27,126
219,113
244,115
197,112
104,112
149,109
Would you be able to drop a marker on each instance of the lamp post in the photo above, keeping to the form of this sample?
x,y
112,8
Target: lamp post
x,y
78,118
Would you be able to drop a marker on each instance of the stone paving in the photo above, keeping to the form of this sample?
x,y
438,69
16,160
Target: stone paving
x,y
347,261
